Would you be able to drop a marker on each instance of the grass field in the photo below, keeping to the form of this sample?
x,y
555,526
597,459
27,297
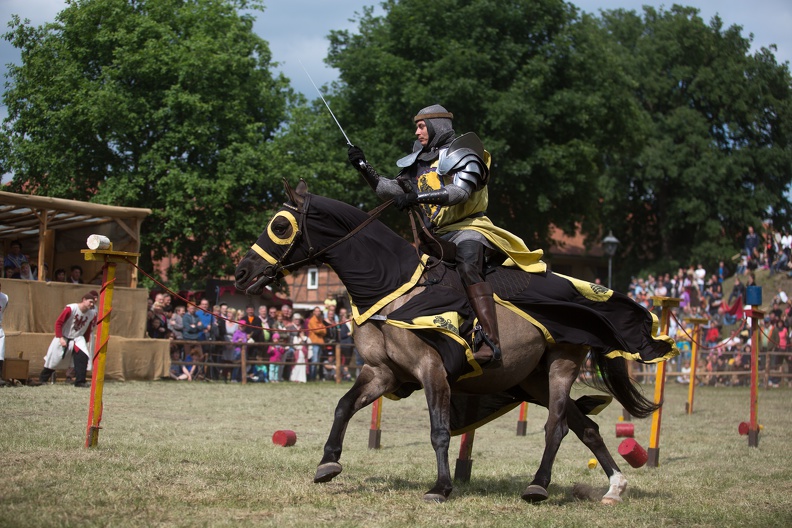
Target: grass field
x,y
201,454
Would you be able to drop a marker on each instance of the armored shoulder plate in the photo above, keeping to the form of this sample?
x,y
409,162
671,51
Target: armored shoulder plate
x,y
463,150
409,159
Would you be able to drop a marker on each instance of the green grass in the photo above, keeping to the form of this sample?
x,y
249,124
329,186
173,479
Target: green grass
x,y
201,454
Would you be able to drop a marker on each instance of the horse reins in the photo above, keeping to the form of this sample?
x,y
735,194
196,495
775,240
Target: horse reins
x,y
415,218
302,212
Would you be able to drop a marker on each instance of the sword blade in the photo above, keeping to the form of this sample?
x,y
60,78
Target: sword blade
x,y
327,105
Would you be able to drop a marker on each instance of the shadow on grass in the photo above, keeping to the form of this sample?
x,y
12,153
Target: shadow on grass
x,y
558,495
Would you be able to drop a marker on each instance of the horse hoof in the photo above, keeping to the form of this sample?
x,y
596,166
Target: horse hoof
x,y
327,472
610,501
434,497
534,493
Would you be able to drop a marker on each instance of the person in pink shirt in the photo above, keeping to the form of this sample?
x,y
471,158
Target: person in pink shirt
x,y
275,352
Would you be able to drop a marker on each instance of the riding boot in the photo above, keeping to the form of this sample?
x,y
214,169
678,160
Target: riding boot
x,y
480,296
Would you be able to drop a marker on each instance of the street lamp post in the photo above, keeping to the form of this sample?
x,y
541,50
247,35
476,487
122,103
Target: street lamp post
x,y
610,243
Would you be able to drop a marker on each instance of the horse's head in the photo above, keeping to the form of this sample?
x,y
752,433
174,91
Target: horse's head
x,y
315,229
280,245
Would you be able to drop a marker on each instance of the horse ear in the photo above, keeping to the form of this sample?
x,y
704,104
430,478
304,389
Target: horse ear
x,y
297,196
302,188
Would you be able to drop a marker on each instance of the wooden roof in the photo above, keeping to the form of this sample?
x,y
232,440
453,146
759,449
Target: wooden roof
x,y
24,215
46,223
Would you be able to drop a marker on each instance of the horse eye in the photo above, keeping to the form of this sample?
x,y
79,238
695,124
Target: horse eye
x,y
281,227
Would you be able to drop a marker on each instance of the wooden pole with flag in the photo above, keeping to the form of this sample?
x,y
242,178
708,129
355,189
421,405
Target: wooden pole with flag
x,y
101,249
665,303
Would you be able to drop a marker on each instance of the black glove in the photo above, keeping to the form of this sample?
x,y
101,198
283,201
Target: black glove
x,y
355,155
404,183
406,200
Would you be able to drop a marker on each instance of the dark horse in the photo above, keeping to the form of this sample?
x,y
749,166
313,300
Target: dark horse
x,y
382,273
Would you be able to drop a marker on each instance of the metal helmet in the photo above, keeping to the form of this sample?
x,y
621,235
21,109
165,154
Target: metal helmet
x,y
438,123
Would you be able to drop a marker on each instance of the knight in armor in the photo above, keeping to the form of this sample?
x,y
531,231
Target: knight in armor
x,y
446,178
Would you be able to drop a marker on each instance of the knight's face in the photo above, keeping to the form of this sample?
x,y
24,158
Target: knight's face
x,y
422,132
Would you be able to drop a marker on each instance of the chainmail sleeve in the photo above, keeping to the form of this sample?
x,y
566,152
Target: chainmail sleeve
x,y
387,189
384,188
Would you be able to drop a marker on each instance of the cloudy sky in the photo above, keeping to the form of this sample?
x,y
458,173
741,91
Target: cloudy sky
x,y
297,29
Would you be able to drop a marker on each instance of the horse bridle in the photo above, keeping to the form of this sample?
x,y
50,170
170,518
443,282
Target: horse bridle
x,y
271,272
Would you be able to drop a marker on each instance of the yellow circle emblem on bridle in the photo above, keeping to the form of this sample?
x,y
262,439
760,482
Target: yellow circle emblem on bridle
x,y
275,238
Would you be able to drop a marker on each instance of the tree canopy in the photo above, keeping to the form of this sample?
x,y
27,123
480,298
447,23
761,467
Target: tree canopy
x,y
715,153
655,125
151,103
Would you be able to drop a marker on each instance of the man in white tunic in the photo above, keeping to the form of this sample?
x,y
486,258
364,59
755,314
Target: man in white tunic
x,y
72,342
3,304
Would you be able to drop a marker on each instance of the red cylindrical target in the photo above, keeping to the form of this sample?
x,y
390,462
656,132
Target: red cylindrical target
x,y
284,438
743,428
633,453
625,429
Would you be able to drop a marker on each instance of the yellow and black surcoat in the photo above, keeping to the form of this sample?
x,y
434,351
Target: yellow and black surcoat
x,y
471,214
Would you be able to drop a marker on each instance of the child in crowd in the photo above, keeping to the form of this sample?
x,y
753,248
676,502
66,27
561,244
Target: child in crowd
x,y
299,370
239,339
178,372
275,353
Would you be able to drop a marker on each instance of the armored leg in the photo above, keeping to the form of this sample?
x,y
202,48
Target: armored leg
x,y
470,262
483,303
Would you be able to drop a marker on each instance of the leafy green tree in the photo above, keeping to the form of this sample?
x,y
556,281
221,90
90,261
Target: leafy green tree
x,y
540,84
660,127
715,130
165,104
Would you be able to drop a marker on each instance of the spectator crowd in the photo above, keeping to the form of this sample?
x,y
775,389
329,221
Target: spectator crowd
x,y
278,343
724,345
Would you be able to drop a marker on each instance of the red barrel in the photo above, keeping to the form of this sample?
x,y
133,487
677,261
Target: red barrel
x,y
625,429
284,438
633,453
743,428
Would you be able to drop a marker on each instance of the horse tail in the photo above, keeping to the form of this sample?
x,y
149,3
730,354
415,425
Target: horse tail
x,y
610,375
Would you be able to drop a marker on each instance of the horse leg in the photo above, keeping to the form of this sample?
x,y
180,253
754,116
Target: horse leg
x,y
588,432
438,399
370,385
563,363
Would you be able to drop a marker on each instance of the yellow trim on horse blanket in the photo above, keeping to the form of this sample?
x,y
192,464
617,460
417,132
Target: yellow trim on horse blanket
x,y
564,309
570,310
440,316
360,314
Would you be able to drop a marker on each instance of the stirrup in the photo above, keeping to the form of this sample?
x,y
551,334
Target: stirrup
x,y
496,351
495,359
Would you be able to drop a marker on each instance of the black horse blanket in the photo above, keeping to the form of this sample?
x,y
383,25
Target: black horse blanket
x,y
564,309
